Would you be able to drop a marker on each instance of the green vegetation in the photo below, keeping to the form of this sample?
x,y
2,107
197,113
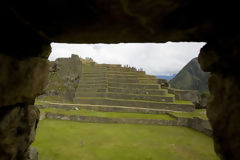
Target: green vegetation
x,y
201,113
66,140
160,89
175,102
37,102
84,112
167,95
182,102
53,99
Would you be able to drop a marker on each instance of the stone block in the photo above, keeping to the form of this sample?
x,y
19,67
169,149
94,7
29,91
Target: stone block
x,y
21,80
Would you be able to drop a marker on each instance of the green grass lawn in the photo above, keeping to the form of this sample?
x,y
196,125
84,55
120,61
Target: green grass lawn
x,y
201,113
84,112
66,140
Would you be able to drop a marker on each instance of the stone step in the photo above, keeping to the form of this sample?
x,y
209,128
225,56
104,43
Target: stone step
x,y
147,81
134,85
121,73
83,82
157,98
93,78
83,90
147,78
93,86
147,97
90,94
120,76
94,74
104,108
122,80
138,91
94,70
112,65
134,103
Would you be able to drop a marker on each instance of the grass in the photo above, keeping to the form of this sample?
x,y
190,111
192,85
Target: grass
x,y
182,102
58,99
66,140
84,112
175,102
167,95
160,89
201,113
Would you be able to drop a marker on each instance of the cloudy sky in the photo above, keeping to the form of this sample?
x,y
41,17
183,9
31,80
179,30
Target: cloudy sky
x,y
155,58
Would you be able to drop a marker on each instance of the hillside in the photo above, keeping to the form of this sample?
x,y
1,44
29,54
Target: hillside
x,y
191,77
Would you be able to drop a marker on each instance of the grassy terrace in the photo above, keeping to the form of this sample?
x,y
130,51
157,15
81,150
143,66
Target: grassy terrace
x,y
175,102
84,112
66,140
167,95
201,113
137,89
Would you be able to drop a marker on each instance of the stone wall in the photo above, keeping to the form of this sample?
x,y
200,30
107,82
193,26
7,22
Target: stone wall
x,y
187,95
197,124
194,123
103,108
143,104
137,91
17,131
110,120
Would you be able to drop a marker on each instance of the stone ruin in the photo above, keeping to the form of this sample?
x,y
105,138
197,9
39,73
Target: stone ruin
x,y
109,84
26,33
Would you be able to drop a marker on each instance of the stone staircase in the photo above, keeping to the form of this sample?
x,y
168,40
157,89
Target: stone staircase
x,y
106,84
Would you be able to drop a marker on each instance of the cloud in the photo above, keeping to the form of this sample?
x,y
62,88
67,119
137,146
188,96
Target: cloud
x,y
155,58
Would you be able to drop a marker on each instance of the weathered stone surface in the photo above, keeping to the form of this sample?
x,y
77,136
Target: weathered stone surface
x,y
63,79
194,123
21,80
187,95
223,105
32,154
223,112
17,130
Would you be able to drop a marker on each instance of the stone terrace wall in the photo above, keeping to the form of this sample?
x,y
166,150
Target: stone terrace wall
x,y
143,104
105,108
110,120
194,123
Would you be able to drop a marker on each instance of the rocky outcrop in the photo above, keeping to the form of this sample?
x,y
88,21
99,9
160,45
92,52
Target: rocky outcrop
x,y
223,105
21,80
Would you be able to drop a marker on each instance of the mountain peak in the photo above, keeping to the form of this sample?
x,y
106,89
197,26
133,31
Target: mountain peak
x,y
191,77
